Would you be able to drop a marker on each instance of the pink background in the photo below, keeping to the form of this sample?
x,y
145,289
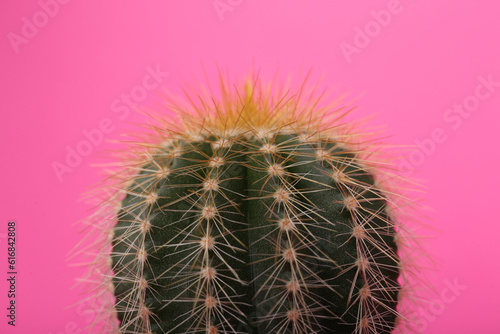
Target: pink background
x,y
64,77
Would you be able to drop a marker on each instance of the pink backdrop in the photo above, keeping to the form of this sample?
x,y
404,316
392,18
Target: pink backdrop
x,y
429,69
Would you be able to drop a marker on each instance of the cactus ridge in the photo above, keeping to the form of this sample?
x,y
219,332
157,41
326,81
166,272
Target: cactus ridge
x,y
261,218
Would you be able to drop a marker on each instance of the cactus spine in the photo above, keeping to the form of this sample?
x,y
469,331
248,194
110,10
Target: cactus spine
x,y
265,215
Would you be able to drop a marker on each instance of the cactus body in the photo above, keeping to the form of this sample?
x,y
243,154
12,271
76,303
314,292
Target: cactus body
x,y
257,219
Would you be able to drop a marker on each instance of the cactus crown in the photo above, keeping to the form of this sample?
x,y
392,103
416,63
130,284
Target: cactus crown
x,y
259,212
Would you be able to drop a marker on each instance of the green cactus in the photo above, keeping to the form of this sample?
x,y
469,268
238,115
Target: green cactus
x,y
264,215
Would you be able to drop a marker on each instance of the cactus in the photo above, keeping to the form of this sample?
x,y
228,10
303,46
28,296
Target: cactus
x,y
258,212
